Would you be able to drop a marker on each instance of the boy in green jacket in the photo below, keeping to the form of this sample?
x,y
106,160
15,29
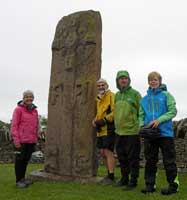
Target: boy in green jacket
x,y
126,108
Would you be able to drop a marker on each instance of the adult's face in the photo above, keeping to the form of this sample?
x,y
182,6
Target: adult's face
x,y
123,81
28,99
101,87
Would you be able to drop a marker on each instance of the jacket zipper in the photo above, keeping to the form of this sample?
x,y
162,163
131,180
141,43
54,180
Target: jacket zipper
x,y
153,106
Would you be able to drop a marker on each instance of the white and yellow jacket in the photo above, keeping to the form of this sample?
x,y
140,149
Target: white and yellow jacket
x,y
105,110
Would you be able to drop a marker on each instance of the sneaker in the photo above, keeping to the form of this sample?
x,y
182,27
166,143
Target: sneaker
x,y
130,186
148,189
21,185
28,181
172,189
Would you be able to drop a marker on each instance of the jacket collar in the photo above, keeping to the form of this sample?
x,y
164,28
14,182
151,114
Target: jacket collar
x,y
31,107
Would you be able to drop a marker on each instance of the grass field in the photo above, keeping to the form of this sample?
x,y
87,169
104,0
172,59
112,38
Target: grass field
x,y
76,191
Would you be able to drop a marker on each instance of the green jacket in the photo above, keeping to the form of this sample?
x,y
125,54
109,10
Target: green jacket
x,y
126,108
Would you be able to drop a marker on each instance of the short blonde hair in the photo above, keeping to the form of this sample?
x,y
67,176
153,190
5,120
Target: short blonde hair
x,y
151,75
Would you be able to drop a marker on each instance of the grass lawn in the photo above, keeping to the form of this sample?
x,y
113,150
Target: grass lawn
x,y
72,191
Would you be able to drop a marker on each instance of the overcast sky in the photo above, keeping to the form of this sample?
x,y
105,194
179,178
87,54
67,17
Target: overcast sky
x,y
138,35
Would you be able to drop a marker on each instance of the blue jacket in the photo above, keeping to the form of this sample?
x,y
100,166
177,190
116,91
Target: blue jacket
x,y
159,105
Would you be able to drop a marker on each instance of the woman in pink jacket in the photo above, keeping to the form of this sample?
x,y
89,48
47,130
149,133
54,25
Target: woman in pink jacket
x,y
24,128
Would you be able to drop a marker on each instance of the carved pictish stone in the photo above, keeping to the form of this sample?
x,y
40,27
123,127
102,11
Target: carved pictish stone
x,y
76,65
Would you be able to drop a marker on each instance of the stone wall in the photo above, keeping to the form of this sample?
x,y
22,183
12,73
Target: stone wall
x,y
7,153
181,154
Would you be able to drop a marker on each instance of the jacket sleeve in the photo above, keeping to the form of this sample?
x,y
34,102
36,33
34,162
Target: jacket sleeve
x,y
141,116
96,108
15,125
110,117
138,99
38,123
171,106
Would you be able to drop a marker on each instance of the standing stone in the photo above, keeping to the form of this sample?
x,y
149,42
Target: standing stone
x,y
76,65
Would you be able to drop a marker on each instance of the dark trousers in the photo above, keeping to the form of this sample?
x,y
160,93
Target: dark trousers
x,y
22,158
128,151
166,144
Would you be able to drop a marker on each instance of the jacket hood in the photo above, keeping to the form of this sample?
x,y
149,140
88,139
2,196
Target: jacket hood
x,y
31,107
121,74
161,88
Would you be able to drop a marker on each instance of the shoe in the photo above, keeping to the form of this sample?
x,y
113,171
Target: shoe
x,y
148,189
21,185
105,177
172,189
107,181
28,181
130,186
122,183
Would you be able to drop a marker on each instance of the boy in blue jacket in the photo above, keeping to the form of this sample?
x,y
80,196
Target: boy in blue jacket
x,y
157,109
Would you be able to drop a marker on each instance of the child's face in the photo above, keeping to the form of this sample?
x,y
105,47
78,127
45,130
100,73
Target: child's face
x,y
154,82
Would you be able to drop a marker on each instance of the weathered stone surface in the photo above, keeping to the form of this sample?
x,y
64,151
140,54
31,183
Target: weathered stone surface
x,y
41,175
7,152
180,128
4,135
76,65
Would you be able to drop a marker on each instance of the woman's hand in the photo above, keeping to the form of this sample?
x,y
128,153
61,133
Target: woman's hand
x,y
93,123
17,145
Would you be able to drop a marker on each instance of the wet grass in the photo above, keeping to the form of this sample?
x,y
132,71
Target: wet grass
x,y
72,191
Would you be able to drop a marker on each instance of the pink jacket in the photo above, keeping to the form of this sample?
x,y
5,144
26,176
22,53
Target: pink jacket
x,y
24,125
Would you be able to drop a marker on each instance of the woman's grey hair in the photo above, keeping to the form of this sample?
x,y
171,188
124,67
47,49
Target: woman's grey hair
x,y
28,92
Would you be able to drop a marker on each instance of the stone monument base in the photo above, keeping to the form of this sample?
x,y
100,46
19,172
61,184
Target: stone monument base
x,y
41,175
